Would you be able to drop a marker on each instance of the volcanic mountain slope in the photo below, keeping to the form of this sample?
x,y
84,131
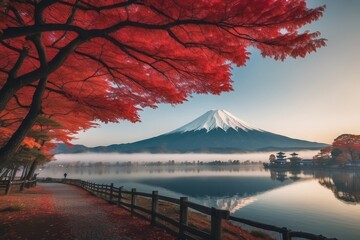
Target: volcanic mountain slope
x,y
214,131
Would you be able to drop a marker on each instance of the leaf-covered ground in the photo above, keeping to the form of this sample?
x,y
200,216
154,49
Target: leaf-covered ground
x,y
33,214
30,215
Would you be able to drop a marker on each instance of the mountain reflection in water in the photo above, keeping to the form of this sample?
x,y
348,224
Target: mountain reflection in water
x,y
220,182
232,204
215,186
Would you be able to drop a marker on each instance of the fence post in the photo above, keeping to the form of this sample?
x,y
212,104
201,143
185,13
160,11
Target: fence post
x,y
133,200
285,233
183,219
120,196
8,187
111,192
154,204
216,219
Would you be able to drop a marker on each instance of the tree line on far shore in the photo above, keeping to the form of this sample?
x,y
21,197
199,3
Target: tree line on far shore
x,y
345,149
154,163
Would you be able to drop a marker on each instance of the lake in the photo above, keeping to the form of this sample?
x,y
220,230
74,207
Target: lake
x,y
323,202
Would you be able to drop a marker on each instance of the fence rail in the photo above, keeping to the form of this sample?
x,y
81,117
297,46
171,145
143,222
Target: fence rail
x,y
178,227
7,185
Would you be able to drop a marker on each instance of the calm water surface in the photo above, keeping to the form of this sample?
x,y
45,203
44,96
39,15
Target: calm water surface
x,y
323,202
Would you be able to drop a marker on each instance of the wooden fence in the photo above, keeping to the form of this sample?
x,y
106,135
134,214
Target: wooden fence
x,y
7,185
178,227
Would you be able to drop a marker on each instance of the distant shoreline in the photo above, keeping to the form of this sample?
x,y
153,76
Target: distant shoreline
x,y
328,167
168,163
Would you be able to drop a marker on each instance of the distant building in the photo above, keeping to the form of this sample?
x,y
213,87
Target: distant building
x,y
280,158
294,159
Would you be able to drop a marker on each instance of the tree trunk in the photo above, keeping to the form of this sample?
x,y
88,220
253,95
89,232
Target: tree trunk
x,y
14,173
10,87
25,172
8,151
32,170
6,93
4,174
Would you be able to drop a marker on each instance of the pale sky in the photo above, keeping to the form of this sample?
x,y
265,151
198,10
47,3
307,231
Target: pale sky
x,y
316,98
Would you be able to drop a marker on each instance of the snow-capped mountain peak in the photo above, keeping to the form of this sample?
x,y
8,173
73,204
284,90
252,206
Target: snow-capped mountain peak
x,y
216,119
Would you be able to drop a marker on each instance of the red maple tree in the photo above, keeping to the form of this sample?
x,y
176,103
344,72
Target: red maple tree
x,y
348,144
111,58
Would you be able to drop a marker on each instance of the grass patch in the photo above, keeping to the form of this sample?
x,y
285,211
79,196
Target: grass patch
x,y
14,208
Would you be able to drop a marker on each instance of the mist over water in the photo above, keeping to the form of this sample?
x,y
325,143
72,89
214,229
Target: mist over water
x,y
180,157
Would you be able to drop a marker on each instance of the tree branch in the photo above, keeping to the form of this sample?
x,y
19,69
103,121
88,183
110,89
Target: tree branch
x,y
23,54
89,7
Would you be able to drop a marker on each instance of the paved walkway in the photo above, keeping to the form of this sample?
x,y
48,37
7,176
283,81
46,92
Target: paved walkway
x,y
86,219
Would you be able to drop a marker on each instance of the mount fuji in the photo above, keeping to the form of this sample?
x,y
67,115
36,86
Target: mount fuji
x,y
215,131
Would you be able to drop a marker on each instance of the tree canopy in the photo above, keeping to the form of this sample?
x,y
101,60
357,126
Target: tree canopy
x,y
344,149
81,61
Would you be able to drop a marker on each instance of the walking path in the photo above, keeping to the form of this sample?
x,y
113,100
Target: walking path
x,y
86,218
59,211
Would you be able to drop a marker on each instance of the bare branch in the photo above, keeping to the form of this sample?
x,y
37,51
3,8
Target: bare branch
x,y
19,103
